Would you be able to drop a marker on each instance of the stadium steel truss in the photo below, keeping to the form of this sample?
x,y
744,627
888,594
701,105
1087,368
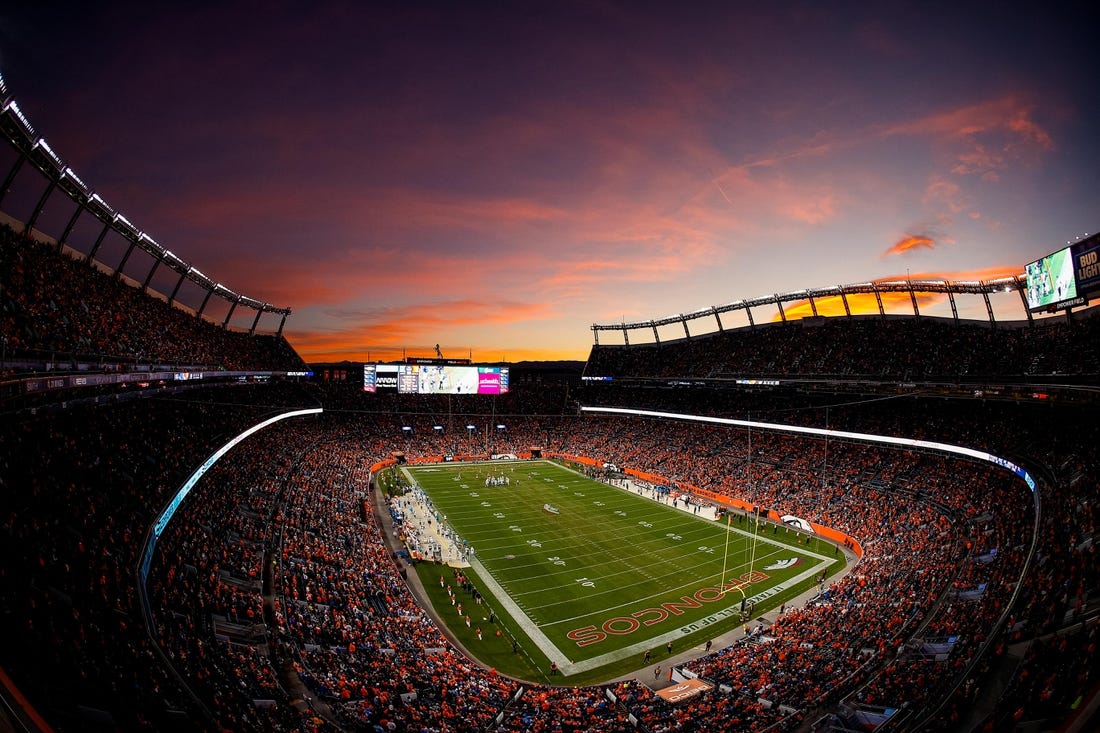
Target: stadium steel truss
x,y
950,288
33,149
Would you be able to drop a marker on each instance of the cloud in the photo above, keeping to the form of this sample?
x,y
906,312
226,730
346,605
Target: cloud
x,y
983,138
812,210
927,235
911,242
978,160
941,193
760,190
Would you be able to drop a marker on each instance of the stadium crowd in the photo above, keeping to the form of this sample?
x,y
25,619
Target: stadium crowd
x,y
82,487
336,599
55,308
935,349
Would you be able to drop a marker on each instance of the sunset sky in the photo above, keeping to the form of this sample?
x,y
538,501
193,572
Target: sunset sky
x,y
497,177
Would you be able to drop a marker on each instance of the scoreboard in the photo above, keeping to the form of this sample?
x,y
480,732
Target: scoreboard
x,y
435,378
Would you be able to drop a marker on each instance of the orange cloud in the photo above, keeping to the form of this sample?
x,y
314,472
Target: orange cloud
x,y
911,242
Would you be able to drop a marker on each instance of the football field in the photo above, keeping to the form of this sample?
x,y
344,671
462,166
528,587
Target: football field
x,y
595,574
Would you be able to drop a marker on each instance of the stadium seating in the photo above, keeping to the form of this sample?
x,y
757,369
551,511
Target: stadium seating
x,y
922,349
54,308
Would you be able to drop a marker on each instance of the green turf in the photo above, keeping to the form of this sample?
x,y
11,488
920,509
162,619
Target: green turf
x,y
612,574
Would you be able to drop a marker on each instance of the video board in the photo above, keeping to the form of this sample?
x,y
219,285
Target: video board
x,y
1050,281
435,379
1068,277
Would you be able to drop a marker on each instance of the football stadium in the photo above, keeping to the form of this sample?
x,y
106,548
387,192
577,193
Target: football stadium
x,y
828,509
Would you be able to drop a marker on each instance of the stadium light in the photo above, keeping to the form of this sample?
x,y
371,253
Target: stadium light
x,y
407,429
99,200
72,174
50,151
502,426
122,221
438,428
21,117
471,427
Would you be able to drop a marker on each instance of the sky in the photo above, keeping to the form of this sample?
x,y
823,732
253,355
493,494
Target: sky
x,y
496,177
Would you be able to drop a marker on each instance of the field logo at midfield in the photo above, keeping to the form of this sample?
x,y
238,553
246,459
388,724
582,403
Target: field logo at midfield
x,y
790,562
621,625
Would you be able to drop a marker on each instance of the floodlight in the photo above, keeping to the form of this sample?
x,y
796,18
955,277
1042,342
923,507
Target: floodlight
x,y
406,429
41,143
72,174
501,426
438,427
19,114
471,427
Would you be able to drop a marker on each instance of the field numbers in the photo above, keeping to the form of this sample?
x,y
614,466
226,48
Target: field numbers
x,y
586,582
707,550
498,515
598,503
515,528
620,512
674,536
556,560
534,543
578,493
645,524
